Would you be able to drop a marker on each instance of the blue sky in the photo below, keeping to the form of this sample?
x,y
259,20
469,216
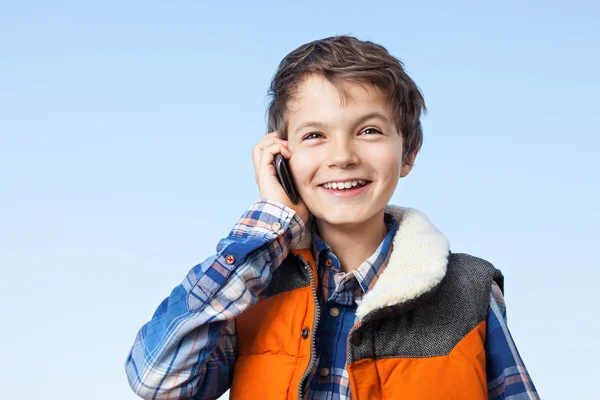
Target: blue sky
x,y
125,155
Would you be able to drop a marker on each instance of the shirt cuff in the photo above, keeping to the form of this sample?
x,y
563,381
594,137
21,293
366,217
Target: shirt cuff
x,y
267,226
268,219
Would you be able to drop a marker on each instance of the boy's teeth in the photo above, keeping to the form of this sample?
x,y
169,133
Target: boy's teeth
x,y
344,185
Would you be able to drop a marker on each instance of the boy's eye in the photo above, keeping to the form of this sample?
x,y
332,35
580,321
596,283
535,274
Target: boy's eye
x,y
312,135
369,131
372,130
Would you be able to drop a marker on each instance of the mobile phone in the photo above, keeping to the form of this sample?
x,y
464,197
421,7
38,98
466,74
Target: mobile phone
x,y
283,173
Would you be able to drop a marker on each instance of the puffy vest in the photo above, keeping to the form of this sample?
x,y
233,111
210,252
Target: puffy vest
x,y
421,329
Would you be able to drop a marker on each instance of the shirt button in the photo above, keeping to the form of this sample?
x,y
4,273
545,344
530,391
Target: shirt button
x,y
230,259
324,372
305,333
276,226
329,263
334,312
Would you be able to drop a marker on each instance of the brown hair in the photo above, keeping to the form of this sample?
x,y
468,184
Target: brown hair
x,y
345,58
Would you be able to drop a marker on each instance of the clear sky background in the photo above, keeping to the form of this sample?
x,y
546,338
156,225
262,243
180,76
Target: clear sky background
x,y
126,131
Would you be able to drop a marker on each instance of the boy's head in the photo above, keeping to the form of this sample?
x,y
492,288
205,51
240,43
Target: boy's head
x,y
345,58
350,114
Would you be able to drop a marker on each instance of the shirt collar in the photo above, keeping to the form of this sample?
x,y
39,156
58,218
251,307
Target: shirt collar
x,y
369,271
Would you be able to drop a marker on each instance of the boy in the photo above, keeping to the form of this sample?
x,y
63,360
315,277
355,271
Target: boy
x,y
340,295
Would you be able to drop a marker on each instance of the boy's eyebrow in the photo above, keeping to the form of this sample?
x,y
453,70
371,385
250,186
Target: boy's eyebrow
x,y
315,124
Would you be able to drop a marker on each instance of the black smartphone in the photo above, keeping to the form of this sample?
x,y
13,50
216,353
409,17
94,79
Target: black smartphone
x,y
283,173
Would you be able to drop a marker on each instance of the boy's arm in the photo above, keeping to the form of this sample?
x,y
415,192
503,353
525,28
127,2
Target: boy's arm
x,y
188,347
506,373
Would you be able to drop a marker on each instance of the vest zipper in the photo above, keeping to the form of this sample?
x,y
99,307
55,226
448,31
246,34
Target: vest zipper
x,y
313,352
348,343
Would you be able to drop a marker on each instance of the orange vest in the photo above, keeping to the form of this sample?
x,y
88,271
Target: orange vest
x,y
420,335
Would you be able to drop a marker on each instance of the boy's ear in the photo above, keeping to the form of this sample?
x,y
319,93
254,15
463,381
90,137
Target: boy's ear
x,y
408,165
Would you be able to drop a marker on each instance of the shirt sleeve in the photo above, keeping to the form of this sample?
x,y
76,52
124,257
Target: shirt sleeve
x,y
187,350
507,377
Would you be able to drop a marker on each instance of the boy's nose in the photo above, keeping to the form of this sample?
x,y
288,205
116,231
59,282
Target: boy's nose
x,y
342,154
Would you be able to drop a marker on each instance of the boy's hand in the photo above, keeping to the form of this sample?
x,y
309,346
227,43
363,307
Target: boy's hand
x,y
263,155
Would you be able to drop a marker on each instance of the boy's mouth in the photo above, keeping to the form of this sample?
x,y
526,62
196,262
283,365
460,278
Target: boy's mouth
x,y
346,184
347,188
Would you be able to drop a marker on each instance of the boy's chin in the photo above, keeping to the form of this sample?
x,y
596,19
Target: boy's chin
x,y
342,218
345,223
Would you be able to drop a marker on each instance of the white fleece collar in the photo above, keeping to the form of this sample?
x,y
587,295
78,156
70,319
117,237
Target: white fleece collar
x,y
417,263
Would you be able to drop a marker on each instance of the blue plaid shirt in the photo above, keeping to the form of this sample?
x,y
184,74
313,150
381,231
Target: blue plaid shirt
x,y
187,349
339,295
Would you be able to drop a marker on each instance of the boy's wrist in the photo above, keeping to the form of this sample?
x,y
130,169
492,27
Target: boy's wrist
x,y
297,224
299,210
269,219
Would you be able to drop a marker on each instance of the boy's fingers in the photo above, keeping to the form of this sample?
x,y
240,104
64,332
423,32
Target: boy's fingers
x,y
268,154
257,151
270,140
263,144
269,137
263,154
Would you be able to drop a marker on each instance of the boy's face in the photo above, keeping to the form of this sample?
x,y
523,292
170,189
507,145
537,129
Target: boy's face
x,y
357,140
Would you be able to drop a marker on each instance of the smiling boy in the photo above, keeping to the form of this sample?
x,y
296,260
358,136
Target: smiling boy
x,y
341,295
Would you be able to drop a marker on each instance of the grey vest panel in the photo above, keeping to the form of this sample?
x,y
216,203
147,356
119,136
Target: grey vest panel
x,y
433,324
288,276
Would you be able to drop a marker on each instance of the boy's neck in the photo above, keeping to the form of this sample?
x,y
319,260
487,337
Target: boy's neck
x,y
353,244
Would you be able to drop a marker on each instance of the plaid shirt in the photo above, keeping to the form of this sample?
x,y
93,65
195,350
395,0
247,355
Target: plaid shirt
x,y
339,295
187,349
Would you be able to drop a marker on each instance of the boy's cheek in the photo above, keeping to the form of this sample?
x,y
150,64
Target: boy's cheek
x,y
302,167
